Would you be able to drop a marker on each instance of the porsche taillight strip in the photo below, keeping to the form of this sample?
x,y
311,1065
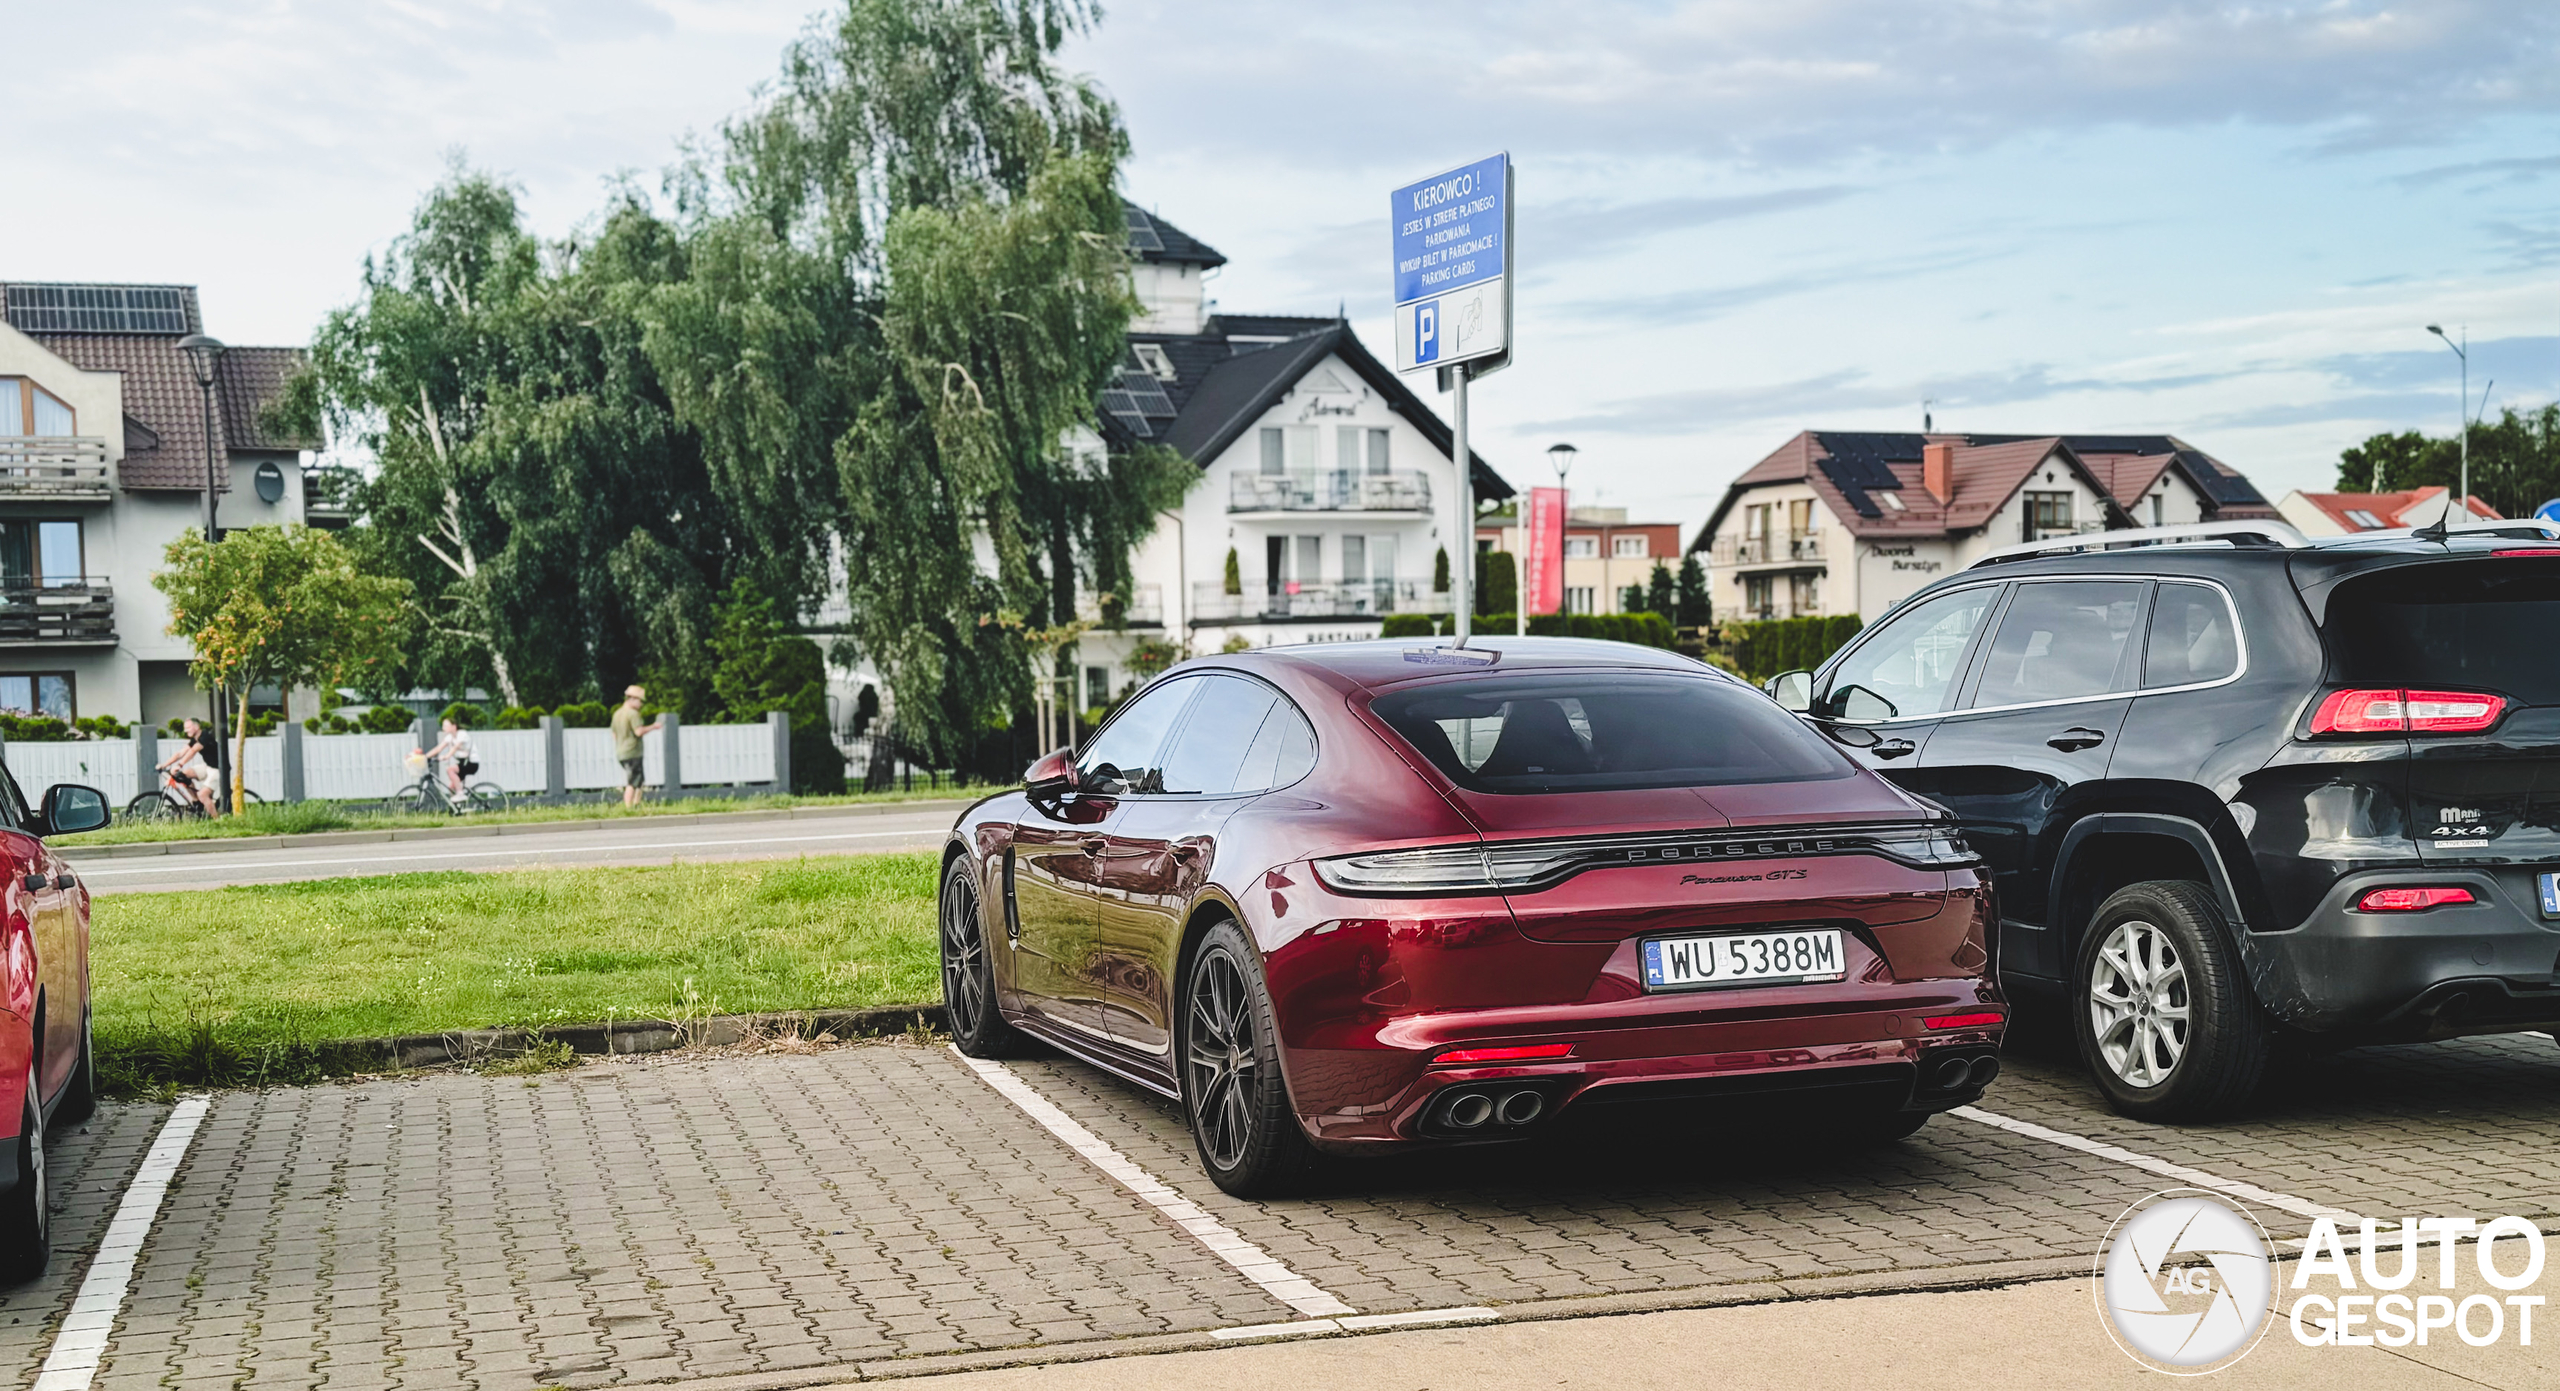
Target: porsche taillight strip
x,y
1516,865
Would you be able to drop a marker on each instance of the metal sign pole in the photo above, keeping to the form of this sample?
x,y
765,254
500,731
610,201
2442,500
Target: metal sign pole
x,y
1466,503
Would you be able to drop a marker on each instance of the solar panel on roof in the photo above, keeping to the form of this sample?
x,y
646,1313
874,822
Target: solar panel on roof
x,y
1861,460
1142,232
1146,394
96,308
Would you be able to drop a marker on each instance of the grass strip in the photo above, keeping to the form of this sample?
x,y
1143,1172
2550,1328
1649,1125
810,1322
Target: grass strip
x,y
302,818
262,982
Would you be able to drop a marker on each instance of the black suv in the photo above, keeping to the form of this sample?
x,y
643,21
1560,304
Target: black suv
x,y
2239,787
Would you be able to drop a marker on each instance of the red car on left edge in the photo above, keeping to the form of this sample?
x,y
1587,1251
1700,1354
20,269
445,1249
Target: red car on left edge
x,y
48,1072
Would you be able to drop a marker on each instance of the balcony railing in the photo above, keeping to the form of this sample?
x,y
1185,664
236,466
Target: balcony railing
x,y
1768,550
79,609
1331,490
1145,609
1358,599
53,467
2047,533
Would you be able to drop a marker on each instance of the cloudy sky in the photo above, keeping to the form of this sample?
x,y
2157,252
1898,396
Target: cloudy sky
x,y
1737,219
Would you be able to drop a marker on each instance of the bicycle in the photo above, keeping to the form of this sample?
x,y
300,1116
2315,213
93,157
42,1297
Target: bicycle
x,y
430,794
176,800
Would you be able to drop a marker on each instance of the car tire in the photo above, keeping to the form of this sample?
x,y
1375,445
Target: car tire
x,y
1233,1095
2163,1012
26,1221
969,971
80,1094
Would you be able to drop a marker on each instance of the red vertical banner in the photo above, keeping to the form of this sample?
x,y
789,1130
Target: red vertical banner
x,y
1542,573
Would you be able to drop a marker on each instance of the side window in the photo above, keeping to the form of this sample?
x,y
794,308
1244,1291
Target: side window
x,y
1283,750
15,813
2193,639
2060,640
1208,756
1123,758
1909,666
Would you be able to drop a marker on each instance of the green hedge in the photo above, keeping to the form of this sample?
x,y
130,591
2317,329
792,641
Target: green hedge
x,y
1642,629
1762,650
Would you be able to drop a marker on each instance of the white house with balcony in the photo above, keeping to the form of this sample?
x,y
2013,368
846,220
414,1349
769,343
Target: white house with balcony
x,y
1322,474
1846,521
104,446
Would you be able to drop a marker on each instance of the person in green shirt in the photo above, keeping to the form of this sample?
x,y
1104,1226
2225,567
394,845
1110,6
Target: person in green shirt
x,y
627,730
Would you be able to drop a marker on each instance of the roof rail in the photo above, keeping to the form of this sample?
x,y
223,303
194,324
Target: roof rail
x,y
2275,534
2512,528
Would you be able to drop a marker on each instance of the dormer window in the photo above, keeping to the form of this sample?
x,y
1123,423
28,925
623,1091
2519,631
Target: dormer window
x,y
1152,358
28,409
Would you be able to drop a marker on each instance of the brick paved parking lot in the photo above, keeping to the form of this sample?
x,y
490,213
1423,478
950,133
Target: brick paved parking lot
x,y
794,1219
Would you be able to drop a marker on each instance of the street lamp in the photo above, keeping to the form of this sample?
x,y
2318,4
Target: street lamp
x,y
1561,455
2462,414
202,354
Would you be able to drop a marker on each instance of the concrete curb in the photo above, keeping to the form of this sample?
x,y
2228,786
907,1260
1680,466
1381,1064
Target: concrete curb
x,y
223,844
1937,1281
628,1036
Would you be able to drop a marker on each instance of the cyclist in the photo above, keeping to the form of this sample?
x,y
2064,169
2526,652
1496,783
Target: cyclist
x,y
455,750
193,768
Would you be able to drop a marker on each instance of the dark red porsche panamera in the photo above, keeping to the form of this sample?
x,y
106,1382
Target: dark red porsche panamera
x,y
1343,898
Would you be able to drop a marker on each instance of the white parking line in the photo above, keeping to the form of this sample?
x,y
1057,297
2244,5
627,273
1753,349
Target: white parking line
x,y
200,865
83,1336
1250,1261
2250,1192
1355,1323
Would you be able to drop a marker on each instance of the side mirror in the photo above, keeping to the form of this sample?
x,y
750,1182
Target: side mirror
x,y
1052,774
1793,690
69,807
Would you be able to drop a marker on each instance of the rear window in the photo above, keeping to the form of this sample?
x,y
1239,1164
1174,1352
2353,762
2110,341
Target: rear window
x,y
2471,625
1605,730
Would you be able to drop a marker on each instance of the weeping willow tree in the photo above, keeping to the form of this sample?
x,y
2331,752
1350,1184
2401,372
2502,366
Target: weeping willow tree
x,y
866,328
910,282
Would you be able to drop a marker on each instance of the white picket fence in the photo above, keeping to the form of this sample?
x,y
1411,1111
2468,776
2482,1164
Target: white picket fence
x,y
365,767
105,764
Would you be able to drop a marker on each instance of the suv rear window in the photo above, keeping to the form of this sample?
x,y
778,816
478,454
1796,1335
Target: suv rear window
x,y
2481,625
1596,731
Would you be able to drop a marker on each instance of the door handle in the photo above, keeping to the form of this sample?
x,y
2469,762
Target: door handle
x,y
1093,845
2076,738
1894,748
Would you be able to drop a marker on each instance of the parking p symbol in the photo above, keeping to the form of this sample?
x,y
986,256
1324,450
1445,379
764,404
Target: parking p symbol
x,y
1426,331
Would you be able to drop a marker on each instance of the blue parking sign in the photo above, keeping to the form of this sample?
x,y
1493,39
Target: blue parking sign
x,y
1426,331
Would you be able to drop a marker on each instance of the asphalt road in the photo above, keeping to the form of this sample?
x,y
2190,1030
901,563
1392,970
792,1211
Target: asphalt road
x,y
631,842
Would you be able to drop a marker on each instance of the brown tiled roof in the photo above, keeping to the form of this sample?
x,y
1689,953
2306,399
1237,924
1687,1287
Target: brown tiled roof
x,y
2127,477
2410,507
1983,478
161,392
248,380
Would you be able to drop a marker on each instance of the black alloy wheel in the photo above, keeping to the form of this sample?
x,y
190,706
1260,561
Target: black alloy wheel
x,y
26,1222
968,975
1238,1103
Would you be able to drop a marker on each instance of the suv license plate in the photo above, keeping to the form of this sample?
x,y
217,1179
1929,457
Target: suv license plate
x,y
1754,958
2550,886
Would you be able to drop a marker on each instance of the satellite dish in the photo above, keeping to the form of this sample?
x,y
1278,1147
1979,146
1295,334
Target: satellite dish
x,y
270,481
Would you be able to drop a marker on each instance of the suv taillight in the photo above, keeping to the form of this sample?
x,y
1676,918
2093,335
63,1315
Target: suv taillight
x,y
2406,712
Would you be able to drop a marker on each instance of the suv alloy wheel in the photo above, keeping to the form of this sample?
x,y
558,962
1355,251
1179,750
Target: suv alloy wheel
x,y
2162,1010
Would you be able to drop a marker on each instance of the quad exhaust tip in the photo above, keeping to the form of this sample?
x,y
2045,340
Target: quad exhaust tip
x,y
1474,1110
1959,1074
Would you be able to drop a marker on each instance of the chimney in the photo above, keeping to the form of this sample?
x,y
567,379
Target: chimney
x,y
1938,471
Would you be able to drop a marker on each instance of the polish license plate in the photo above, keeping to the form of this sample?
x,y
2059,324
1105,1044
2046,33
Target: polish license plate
x,y
2550,886
1752,958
